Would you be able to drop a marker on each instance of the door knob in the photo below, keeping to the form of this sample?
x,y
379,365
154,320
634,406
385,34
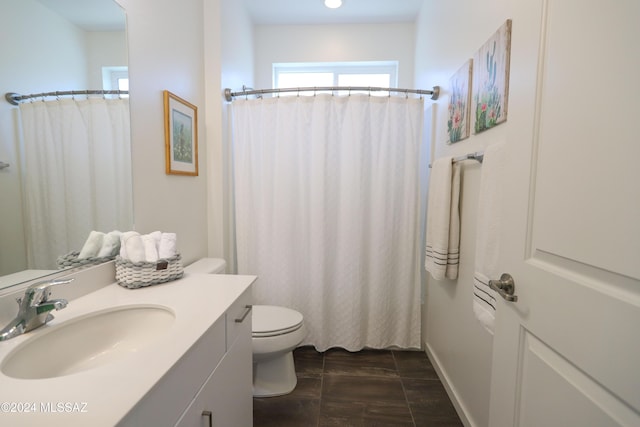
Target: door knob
x,y
506,287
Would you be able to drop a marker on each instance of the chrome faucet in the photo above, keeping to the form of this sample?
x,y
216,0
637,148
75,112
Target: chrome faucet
x,y
34,309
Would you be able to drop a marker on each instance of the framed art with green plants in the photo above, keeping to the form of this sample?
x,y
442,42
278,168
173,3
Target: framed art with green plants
x,y
491,80
181,135
460,103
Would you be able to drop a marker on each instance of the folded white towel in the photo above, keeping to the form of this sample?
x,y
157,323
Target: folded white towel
x,y
488,235
167,247
443,220
132,246
150,248
92,245
110,244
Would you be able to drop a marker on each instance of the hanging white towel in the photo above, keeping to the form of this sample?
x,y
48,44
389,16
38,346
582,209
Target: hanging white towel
x,y
443,220
488,236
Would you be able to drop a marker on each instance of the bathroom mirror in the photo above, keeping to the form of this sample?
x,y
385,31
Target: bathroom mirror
x,y
49,45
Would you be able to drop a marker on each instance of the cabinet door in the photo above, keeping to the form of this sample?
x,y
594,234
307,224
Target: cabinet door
x,y
165,403
227,394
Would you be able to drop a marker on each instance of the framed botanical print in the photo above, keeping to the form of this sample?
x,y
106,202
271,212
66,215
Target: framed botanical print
x,y
491,80
181,135
460,103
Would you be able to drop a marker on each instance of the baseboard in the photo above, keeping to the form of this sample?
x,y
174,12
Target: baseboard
x,y
451,391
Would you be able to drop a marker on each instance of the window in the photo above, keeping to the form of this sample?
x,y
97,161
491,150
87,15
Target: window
x,y
363,74
115,78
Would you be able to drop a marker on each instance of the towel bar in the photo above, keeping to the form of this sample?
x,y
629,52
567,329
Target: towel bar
x,y
478,155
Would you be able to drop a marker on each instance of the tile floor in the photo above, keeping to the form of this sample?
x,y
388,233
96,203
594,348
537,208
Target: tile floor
x,y
364,389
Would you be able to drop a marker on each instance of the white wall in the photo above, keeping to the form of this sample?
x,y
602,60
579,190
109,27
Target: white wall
x,y
104,49
329,43
49,59
208,48
236,69
166,51
459,347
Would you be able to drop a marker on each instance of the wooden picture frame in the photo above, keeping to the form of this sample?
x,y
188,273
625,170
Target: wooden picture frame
x,y
491,80
458,124
181,135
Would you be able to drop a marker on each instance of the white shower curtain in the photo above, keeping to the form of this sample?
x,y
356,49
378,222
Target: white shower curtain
x,y
76,168
326,192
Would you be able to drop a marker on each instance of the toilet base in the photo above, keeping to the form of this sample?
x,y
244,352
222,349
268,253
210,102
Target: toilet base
x,y
274,376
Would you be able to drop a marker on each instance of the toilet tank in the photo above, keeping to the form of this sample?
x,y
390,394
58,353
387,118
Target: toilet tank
x,y
207,266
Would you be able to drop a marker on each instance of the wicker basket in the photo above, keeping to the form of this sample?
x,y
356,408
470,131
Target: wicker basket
x,y
139,274
71,260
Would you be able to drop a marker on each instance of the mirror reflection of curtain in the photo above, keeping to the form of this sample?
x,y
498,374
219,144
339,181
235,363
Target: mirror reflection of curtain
x,y
76,163
326,197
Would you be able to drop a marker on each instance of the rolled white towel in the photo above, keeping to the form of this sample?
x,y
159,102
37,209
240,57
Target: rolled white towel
x,y
167,247
150,249
92,245
110,244
133,246
156,237
123,248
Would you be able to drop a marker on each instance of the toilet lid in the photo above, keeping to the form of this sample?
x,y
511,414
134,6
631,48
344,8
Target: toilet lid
x,y
270,320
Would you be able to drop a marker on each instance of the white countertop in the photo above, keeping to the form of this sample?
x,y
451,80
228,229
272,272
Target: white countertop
x,y
103,395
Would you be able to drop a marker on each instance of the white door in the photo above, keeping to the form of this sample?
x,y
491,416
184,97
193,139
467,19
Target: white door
x,y
567,353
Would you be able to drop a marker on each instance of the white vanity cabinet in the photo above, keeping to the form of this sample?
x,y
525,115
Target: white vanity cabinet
x,y
225,399
211,385
199,360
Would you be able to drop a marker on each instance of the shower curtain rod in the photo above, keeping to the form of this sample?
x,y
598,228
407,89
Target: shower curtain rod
x,y
15,98
229,95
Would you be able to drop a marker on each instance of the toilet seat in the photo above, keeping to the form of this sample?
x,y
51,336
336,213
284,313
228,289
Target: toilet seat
x,y
270,321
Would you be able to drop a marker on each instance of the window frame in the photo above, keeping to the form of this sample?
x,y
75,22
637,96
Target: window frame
x,y
111,75
337,68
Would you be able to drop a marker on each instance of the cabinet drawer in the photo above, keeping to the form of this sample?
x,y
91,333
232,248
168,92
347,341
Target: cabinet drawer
x,y
239,317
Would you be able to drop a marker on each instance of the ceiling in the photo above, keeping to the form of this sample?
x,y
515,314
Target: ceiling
x,y
106,15
273,12
90,15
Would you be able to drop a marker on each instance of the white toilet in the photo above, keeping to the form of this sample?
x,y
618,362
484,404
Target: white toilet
x,y
276,331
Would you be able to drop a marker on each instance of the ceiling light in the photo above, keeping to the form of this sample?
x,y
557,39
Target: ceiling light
x,y
333,4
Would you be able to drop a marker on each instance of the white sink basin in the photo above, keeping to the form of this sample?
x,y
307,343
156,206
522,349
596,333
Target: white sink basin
x,y
87,342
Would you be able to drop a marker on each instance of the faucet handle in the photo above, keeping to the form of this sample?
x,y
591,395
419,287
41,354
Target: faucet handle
x,y
39,292
48,283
